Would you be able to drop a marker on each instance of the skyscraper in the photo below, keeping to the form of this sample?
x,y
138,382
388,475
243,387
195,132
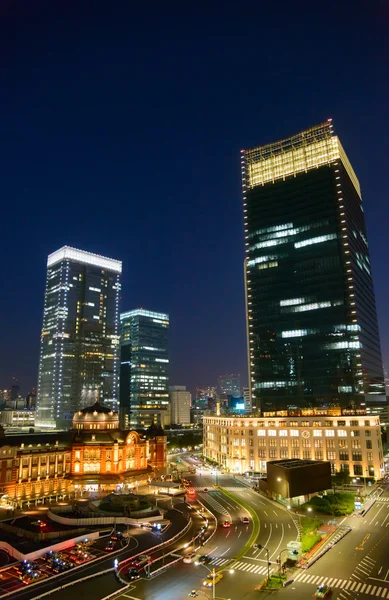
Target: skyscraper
x,y
229,385
311,318
180,402
79,359
144,383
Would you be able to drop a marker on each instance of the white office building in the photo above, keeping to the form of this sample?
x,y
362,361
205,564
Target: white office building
x,y
180,402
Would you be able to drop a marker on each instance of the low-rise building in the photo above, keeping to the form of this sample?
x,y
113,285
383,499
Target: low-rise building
x,y
17,418
349,440
96,455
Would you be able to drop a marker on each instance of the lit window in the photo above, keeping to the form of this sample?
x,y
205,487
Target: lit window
x,y
317,433
316,240
261,432
330,433
77,467
342,433
294,432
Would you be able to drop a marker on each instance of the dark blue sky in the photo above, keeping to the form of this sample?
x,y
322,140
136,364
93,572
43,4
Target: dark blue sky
x,y
121,132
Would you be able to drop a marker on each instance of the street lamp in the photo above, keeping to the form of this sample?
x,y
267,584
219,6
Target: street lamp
x,y
213,575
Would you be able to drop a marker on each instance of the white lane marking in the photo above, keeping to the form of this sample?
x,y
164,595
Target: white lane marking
x,y
225,552
386,576
214,550
240,533
228,533
280,542
265,513
378,512
275,513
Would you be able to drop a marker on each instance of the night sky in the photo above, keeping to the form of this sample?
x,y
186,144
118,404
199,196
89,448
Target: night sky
x,y
121,135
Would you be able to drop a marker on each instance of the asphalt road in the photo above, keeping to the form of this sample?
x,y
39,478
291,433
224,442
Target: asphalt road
x,y
277,528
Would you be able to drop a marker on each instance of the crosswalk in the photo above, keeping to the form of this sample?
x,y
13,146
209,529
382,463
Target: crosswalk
x,y
382,499
344,584
216,505
232,488
241,566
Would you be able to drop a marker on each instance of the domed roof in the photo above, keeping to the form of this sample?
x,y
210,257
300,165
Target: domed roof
x,y
96,407
96,416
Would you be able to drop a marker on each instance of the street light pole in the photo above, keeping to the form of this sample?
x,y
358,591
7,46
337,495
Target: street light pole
x,y
268,562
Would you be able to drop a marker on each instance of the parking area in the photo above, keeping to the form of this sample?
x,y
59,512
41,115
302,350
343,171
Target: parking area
x,y
53,563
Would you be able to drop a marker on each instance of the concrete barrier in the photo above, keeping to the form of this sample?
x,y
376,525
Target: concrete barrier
x,y
108,520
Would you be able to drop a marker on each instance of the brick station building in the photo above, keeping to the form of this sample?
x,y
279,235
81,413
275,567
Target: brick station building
x,y
95,455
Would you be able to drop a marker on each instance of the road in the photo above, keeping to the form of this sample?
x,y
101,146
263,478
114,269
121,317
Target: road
x,y
358,566
277,528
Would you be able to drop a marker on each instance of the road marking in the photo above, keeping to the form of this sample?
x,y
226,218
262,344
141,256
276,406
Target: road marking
x,y
289,525
214,550
276,525
265,513
368,588
240,533
228,533
361,546
379,570
275,513
386,576
348,584
225,552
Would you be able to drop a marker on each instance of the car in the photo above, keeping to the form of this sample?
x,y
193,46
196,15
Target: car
x,y
25,567
140,561
110,546
133,574
323,591
245,520
204,559
117,535
210,579
226,524
82,558
191,557
191,491
62,566
33,576
205,490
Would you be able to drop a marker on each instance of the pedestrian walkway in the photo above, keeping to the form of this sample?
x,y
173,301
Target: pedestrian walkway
x,y
345,584
241,566
382,499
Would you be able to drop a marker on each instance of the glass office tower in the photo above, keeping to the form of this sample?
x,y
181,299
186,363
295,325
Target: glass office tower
x,y
79,361
144,384
311,318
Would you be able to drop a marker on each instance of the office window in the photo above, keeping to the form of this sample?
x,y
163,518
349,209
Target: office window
x,y
293,424
317,433
272,443
283,453
367,423
295,444
243,444
368,433
251,443
251,432
330,433
369,444
355,443
283,443
354,423
341,423
355,433
330,443
294,432
306,443
282,423
272,432
295,453
262,442
331,455
316,423
272,453
306,454
305,424
343,456
357,456
369,456
328,423
318,443
261,452
342,433
283,433
342,444
261,432
318,454
357,469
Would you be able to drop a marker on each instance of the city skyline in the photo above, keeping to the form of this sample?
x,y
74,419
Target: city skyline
x,y
81,141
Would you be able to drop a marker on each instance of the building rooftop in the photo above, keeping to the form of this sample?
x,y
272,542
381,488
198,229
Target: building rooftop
x,y
87,258
294,463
